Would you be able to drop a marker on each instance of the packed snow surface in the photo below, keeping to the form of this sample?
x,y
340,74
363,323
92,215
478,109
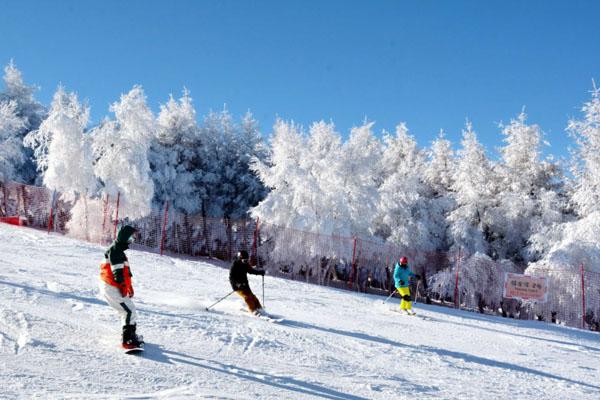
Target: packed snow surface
x,y
59,341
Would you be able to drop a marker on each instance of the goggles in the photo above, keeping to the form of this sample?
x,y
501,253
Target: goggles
x,y
135,235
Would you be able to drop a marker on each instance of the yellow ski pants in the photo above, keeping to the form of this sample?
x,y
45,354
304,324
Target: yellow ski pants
x,y
405,304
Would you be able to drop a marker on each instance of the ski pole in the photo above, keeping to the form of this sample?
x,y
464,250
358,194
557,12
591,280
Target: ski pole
x,y
218,301
417,290
263,290
385,301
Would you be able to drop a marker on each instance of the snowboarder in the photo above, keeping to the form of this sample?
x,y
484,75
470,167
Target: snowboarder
x,y
238,277
116,287
401,279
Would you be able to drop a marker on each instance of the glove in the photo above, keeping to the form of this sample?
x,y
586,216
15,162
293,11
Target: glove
x,y
418,276
402,282
123,290
261,272
130,292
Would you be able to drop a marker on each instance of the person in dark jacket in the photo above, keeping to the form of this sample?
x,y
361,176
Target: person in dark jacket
x,y
116,287
238,278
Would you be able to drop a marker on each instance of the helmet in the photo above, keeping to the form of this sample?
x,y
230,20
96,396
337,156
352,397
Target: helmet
x,y
403,261
242,255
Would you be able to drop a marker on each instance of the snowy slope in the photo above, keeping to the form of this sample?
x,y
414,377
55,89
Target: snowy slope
x,y
58,340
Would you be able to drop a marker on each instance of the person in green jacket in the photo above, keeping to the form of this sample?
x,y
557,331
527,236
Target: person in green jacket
x,y
116,286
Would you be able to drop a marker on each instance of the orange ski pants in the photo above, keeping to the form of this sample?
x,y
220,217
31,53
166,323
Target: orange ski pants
x,y
250,299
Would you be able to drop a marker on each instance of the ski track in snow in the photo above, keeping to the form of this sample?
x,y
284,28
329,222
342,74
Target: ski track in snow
x,y
58,340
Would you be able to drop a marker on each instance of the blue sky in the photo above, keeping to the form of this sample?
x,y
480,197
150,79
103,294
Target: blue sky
x,y
430,63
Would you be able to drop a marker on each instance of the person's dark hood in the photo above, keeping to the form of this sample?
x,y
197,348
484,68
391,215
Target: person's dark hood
x,y
124,234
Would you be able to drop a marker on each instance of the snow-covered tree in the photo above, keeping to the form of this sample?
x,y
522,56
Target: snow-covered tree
x,y
290,202
214,172
315,190
172,155
11,154
573,244
63,155
18,97
329,212
231,186
67,162
439,177
404,215
360,171
586,133
529,191
305,175
121,150
474,188
439,171
248,145
287,203
317,184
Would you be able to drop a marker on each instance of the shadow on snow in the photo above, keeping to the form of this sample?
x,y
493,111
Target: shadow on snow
x,y
438,351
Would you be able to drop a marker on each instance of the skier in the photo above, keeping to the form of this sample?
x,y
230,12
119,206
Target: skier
x,y
238,277
401,276
116,288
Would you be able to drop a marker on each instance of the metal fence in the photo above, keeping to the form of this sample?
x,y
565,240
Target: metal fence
x,y
351,263
573,298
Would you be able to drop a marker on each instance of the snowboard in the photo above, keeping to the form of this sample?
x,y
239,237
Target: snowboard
x,y
135,350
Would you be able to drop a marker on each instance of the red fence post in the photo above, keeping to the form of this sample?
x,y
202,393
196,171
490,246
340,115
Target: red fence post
x,y
353,274
164,228
244,235
229,238
117,216
456,295
255,242
18,200
582,296
24,197
105,212
5,192
50,220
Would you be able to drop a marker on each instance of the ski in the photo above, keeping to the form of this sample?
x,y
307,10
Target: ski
x,y
413,314
269,317
262,315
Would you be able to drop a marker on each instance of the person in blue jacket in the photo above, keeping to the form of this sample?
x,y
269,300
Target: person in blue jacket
x,y
401,279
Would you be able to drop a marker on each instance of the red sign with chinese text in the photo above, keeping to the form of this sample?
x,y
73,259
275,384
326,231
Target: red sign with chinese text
x,y
525,287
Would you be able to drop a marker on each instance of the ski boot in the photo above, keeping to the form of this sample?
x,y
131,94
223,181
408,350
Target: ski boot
x,y
258,312
130,339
